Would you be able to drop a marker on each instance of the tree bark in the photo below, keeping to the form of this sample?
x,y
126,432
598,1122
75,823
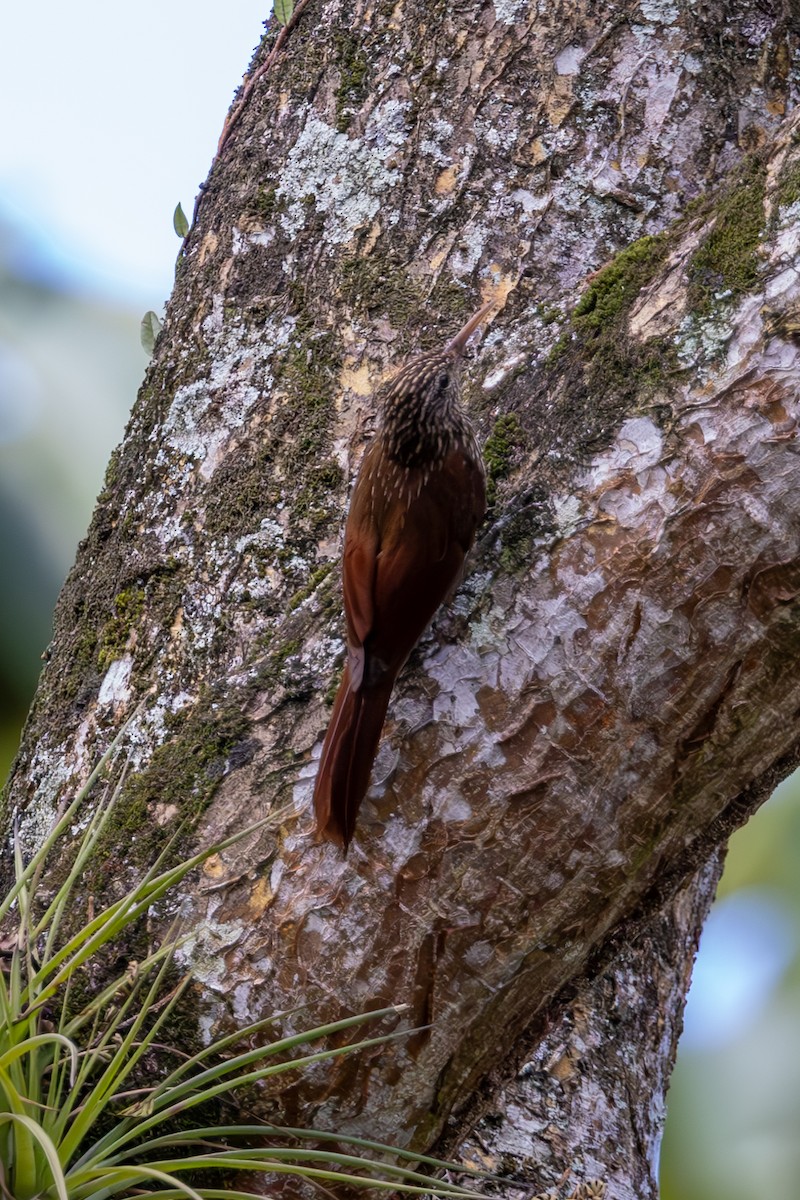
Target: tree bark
x,y
614,688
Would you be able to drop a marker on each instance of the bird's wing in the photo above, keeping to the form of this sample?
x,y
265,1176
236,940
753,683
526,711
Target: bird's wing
x,y
358,579
401,559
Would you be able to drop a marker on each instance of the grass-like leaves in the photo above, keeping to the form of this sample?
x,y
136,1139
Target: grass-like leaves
x,y
76,1120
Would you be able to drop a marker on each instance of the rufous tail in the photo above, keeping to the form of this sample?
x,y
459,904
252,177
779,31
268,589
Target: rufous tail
x,y
348,752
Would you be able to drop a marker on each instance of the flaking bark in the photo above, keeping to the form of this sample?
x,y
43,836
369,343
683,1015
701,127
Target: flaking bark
x,y
614,685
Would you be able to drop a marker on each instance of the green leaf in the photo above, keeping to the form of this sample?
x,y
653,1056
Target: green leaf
x,y
283,10
76,1143
35,1132
179,221
150,329
42,1039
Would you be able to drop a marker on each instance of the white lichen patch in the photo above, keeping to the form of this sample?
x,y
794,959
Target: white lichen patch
x,y
500,135
440,132
344,177
469,251
303,787
662,12
662,88
569,60
699,340
530,204
783,284
205,414
269,535
503,370
322,652
627,505
457,706
508,12
202,949
147,728
398,841
567,514
638,445
115,687
749,332
558,620
38,818
449,806
241,242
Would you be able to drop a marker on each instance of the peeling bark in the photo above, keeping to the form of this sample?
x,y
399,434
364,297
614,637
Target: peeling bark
x,y
614,685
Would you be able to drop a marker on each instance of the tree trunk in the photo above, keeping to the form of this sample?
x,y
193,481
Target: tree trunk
x,y
614,687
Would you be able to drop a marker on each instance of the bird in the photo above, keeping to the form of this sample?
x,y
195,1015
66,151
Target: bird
x,y
419,497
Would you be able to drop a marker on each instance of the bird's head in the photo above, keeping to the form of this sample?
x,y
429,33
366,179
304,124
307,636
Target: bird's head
x,y
433,379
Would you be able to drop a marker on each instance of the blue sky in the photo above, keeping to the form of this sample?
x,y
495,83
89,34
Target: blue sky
x,y
111,115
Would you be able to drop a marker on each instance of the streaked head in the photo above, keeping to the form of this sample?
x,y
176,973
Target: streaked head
x,y
421,411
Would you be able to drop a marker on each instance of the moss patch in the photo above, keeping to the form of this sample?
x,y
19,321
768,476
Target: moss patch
x,y
175,787
82,658
316,579
788,188
605,370
266,203
548,314
375,283
309,376
451,298
353,71
616,286
498,452
128,606
726,264
245,491
251,482
523,527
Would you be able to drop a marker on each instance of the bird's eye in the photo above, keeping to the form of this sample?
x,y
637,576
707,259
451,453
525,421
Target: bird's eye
x,y
442,381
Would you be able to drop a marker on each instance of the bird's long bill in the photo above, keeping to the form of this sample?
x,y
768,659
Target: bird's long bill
x,y
459,342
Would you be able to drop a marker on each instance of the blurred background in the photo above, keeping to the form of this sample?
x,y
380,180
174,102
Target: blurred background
x,y
112,115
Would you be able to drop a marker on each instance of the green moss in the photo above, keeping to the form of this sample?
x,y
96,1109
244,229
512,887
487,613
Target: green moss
x,y
449,297
353,69
604,372
788,188
498,452
128,606
252,481
548,313
83,662
111,477
559,348
614,367
316,579
519,532
276,671
309,375
313,509
279,657
180,779
266,203
726,264
332,688
245,491
616,286
376,284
